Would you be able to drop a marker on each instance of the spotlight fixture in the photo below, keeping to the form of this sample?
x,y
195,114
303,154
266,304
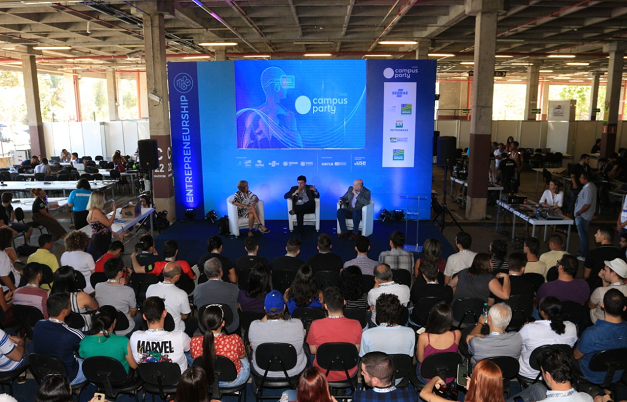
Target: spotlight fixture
x,y
210,44
398,42
190,214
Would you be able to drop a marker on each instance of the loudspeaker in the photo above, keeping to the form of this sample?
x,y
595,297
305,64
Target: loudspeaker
x,y
446,151
148,155
436,135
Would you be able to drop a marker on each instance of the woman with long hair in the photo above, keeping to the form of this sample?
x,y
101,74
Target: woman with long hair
x,y
100,224
498,251
550,330
478,281
312,387
352,287
64,280
252,298
304,291
245,201
431,251
437,338
78,201
54,388
76,257
485,385
509,143
215,342
552,198
192,386
42,217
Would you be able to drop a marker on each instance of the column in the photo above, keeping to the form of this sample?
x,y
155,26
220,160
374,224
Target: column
x,y
112,94
33,107
612,96
143,96
158,108
71,98
545,100
482,94
531,97
594,94
422,50
220,53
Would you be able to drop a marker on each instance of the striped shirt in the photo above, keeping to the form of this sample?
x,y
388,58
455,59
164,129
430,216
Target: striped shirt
x,y
365,264
398,259
6,347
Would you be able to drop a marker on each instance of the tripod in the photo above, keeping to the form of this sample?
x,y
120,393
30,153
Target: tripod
x,y
444,210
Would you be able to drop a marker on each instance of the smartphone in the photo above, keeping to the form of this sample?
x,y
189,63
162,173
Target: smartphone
x,y
99,397
462,373
518,399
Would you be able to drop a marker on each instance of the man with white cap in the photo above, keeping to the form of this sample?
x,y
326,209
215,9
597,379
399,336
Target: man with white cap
x,y
275,328
613,276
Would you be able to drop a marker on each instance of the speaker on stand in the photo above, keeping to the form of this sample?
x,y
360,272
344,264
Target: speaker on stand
x,y
446,157
148,154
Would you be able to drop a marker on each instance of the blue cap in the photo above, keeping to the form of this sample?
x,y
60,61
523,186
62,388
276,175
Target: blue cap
x,y
274,301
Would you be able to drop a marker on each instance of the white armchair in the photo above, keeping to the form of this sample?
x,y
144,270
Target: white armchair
x,y
308,219
235,222
367,220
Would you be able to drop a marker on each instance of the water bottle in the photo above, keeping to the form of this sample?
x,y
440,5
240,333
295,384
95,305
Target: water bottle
x,y
485,309
538,212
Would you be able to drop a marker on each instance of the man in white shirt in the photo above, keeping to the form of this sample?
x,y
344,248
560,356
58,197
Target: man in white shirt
x,y
613,276
555,253
44,167
156,344
384,283
532,250
176,301
461,260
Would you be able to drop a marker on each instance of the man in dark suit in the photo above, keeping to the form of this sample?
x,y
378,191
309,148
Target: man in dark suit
x,y
351,203
303,200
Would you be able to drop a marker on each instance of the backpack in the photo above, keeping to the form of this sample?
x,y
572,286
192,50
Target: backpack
x,y
223,226
161,220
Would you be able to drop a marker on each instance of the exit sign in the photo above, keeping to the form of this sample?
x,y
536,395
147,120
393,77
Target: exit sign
x,y
536,111
465,111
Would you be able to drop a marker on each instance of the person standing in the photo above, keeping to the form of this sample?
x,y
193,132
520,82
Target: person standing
x,y
584,212
99,222
575,174
357,196
303,200
78,200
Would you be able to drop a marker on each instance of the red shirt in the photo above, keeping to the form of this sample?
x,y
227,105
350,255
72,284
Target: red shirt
x,y
101,262
229,346
157,268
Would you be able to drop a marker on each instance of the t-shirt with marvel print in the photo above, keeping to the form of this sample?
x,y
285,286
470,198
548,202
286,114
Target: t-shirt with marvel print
x,y
229,346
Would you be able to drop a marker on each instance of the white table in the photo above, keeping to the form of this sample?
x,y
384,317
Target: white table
x,y
27,203
56,185
130,175
122,225
517,212
464,183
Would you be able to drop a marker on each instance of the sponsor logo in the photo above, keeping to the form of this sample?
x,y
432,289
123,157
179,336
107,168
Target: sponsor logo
x,y
399,123
284,163
274,163
399,93
398,154
183,83
339,164
406,108
248,163
259,163
360,163
398,139
326,164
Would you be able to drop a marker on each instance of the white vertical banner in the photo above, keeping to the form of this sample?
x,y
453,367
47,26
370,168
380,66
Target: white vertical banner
x,y
399,124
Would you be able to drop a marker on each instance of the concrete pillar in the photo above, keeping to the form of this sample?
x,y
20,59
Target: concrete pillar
x,y
33,107
422,51
594,94
157,84
545,101
112,94
220,53
482,94
612,96
71,99
531,97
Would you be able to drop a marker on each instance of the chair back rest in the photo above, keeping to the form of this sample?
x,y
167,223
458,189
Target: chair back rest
x,y
160,374
96,278
275,356
228,314
609,361
402,365
27,315
242,278
104,371
467,310
308,315
43,365
140,283
79,280
86,176
64,177
573,312
552,274
19,214
40,176
281,280
443,365
536,280
97,176
121,321
337,356
508,365
533,359
50,178
522,304
324,279
402,276
247,317
421,311
115,174
223,368
358,314
368,282
47,277
75,320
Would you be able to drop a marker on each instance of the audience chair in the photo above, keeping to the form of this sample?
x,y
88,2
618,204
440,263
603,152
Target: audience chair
x,y
368,282
50,178
536,280
533,360
242,278
466,311
443,365
121,321
522,308
223,370
575,313
19,216
79,280
308,219
43,365
367,220
360,315
281,280
552,274
421,311
509,367
40,176
98,158
159,378
97,176
245,319
64,177
402,276
5,176
228,316
140,283
75,320
46,275
27,317
87,176
279,357
405,371
8,377
308,315
339,356
235,222
609,361
324,279
96,278
110,377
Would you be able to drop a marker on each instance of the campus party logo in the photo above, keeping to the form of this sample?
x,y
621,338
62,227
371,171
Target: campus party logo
x,y
399,93
304,105
183,83
390,73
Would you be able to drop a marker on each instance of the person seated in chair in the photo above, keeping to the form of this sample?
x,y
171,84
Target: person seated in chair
x,y
114,292
325,260
215,290
245,202
365,264
303,201
31,294
251,245
566,287
377,370
613,276
7,217
497,342
357,196
397,258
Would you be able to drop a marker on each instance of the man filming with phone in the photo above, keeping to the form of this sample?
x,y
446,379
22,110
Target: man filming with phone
x,y
303,201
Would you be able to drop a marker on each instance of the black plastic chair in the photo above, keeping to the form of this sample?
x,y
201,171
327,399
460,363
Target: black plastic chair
x,y
533,358
609,361
281,280
97,176
98,158
242,278
360,315
122,323
8,377
223,371
404,371
535,279
509,367
110,377
40,176
245,319
574,312
43,365
64,177
339,356
308,315
86,176
443,365
168,323
159,378
140,283
75,320
324,279
421,311
552,274
96,278
279,357
466,311
228,316
27,317
79,280
19,216
402,276
368,282
50,178
522,308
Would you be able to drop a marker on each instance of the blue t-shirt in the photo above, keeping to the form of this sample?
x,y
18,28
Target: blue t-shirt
x,y
601,336
291,304
79,198
60,341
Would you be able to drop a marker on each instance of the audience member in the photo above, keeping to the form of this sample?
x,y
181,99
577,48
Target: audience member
x,y
555,253
114,292
325,260
7,217
12,352
100,223
460,260
214,248
585,205
519,284
575,177
566,287
498,251
144,260
429,286
437,337
78,201
273,328
6,268
397,258
390,335
595,261
193,386
251,259
365,264
43,254
31,294
64,281
352,286
170,252
156,344
43,167
76,257
176,300
312,387
479,283
41,216
104,342
290,261
215,290
303,292
613,276
54,388
623,244
532,251
485,385
498,342
52,337
252,297
65,155
432,252
550,330
384,284
377,370
116,249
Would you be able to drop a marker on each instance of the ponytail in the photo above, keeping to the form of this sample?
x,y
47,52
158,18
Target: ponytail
x,y
552,307
208,355
103,319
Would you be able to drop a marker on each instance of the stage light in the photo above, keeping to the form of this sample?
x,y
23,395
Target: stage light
x,y
52,47
317,55
190,214
577,64
218,44
441,55
562,56
398,42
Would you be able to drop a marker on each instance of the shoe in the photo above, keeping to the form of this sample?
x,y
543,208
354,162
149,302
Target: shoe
x,y
580,258
263,229
342,235
353,236
292,212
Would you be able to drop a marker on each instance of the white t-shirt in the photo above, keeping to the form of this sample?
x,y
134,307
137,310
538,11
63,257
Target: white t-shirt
x,y
497,154
597,298
171,345
82,262
176,301
538,334
536,267
458,262
547,198
6,268
402,291
550,258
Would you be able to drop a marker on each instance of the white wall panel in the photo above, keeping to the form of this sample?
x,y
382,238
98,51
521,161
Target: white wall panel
x,y
115,136
61,134
130,137
92,138
143,130
76,140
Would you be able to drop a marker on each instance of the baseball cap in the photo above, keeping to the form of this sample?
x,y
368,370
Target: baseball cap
x,y
274,300
619,266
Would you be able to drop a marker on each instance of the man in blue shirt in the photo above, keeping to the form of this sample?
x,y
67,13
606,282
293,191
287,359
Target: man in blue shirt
x,y
606,334
377,369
